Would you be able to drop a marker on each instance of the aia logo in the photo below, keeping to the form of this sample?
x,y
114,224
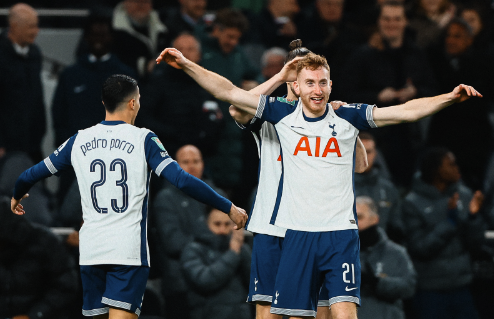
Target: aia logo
x,y
304,146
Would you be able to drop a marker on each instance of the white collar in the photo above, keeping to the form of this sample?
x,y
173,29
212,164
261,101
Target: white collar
x,y
92,58
21,50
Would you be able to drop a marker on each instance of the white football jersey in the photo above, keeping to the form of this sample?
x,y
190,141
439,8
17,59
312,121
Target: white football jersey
x,y
269,170
316,191
113,162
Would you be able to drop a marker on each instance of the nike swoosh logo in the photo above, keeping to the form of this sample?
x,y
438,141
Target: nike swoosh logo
x,y
350,289
298,127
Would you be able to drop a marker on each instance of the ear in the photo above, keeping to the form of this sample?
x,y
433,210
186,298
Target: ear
x,y
330,85
131,104
296,88
375,219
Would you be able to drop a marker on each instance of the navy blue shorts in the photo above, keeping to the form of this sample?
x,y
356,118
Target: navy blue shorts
x,y
117,286
313,259
266,255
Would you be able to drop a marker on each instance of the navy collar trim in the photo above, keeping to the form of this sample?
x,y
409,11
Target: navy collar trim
x,y
315,119
112,122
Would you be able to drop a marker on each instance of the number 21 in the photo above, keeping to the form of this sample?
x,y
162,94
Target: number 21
x,y
347,270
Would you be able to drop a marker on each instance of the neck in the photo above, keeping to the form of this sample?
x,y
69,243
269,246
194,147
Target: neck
x,y
275,13
440,185
309,113
396,42
119,116
14,40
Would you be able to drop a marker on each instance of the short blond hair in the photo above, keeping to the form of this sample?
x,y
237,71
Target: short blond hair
x,y
312,62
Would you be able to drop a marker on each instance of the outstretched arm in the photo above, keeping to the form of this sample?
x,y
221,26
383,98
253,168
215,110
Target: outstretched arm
x,y
416,109
220,87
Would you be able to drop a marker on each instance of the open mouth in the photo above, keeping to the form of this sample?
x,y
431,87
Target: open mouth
x,y
316,100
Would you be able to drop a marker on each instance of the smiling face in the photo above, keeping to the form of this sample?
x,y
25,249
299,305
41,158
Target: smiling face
x,y
313,87
392,22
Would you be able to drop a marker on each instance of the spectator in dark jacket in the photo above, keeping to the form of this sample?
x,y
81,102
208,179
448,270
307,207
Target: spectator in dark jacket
x,y
20,85
188,18
217,268
178,219
223,54
382,191
336,39
37,275
442,227
275,26
391,70
177,108
139,35
77,101
388,275
456,59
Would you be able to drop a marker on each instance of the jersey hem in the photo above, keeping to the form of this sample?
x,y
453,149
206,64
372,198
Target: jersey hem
x,y
314,229
276,233
111,262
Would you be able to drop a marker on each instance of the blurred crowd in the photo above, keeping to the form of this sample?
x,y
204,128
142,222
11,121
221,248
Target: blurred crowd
x,y
425,203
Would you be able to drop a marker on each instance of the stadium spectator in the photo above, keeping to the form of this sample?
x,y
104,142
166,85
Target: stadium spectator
x,y
429,18
272,62
388,275
20,84
477,18
188,18
177,108
459,130
139,34
40,200
77,100
442,228
275,25
371,183
178,220
38,277
336,40
391,70
223,55
216,265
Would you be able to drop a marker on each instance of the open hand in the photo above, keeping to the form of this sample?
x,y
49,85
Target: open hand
x,y
289,71
173,57
238,216
16,207
476,202
463,92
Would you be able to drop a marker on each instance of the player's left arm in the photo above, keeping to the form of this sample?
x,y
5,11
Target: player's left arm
x,y
417,109
361,162
52,165
164,166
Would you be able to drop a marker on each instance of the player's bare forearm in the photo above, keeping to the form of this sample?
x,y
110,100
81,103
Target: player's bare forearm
x,y
220,87
361,162
417,109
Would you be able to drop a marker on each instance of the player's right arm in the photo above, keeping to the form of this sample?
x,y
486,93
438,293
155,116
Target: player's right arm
x,y
220,87
52,165
164,166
